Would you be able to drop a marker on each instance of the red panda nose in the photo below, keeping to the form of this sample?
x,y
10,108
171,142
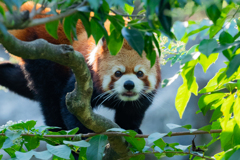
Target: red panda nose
x,y
128,85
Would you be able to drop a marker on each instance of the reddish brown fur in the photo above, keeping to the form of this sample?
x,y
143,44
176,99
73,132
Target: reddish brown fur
x,y
103,61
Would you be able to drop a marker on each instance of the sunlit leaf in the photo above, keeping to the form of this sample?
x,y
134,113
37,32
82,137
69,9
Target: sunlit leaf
x,y
182,98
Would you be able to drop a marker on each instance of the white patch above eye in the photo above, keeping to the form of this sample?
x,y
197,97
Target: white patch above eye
x,y
139,68
119,68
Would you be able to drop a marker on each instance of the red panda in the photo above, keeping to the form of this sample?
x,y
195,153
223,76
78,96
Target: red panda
x,y
125,82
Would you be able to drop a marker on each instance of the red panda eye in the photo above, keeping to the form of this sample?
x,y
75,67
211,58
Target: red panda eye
x,y
118,73
139,74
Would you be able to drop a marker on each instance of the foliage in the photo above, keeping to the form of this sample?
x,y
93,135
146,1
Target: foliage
x,y
154,29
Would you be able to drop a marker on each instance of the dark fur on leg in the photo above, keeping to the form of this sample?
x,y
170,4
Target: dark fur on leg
x,y
47,80
12,77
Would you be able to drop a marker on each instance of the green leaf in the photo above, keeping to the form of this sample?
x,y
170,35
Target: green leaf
x,y
233,65
138,157
206,62
115,42
207,46
182,98
24,156
82,154
206,128
216,114
129,9
43,155
213,12
73,131
230,86
7,144
52,28
12,134
85,20
165,20
174,126
225,38
155,136
78,143
2,140
238,84
98,30
216,82
236,110
194,32
226,137
94,4
32,142
226,108
206,101
134,38
61,151
137,143
160,143
95,151
234,155
2,12
67,26
117,21
188,76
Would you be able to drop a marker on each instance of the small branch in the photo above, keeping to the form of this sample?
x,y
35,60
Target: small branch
x,y
177,152
36,22
24,19
124,134
125,15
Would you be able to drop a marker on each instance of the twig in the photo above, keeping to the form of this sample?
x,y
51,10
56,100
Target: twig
x,y
125,15
177,152
40,21
124,134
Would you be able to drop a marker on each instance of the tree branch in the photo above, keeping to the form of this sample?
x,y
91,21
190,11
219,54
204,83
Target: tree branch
x,y
78,101
25,19
124,134
126,15
176,152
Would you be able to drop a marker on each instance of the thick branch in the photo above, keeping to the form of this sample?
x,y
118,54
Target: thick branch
x,y
78,101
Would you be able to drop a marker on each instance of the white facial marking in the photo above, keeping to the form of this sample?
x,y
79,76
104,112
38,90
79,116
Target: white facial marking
x,y
106,82
119,87
118,68
153,81
139,68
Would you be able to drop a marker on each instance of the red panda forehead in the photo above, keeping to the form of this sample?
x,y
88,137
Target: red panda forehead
x,y
129,59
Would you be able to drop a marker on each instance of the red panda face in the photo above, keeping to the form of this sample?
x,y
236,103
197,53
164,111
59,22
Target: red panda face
x,y
126,75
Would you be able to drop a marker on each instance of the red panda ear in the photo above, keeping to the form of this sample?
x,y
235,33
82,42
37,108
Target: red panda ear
x,y
104,44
